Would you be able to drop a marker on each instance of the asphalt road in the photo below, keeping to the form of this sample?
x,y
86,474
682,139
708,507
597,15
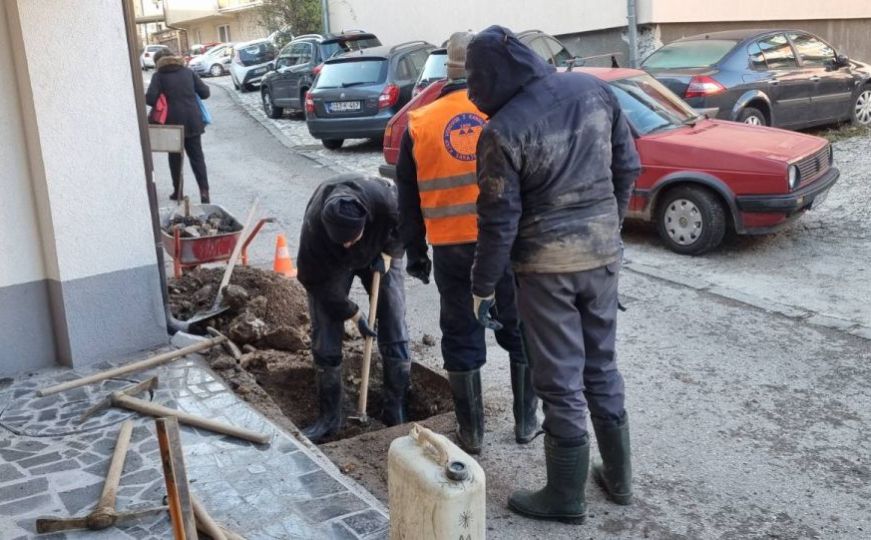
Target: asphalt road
x,y
749,386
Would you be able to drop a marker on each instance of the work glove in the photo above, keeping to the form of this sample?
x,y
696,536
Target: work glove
x,y
363,324
481,307
381,264
419,268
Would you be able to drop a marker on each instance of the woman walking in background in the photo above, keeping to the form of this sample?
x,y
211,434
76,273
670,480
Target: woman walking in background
x,y
181,87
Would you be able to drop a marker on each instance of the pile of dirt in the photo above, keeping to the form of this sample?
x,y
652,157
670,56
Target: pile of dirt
x,y
267,310
205,225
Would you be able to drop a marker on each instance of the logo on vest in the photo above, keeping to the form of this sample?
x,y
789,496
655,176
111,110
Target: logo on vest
x,y
461,136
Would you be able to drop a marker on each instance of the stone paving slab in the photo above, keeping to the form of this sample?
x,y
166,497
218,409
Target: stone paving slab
x,y
52,466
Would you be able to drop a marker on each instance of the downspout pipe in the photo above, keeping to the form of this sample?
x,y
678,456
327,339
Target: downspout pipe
x,y
173,325
632,31
325,8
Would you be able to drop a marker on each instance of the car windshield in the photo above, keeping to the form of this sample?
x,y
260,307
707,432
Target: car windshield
x,y
649,106
353,73
689,54
434,69
332,48
216,51
256,53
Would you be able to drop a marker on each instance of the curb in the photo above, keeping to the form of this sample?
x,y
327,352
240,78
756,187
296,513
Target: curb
x,y
853,328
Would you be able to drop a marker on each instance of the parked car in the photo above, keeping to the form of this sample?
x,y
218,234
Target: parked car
x,y
356,93
215,62
784,78
294,70
250,63
545,45
700,177
146,59
199,49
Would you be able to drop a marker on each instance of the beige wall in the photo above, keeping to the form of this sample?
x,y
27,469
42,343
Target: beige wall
x,y
179,11
668,11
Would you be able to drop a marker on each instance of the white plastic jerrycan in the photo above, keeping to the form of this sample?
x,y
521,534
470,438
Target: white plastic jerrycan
x,y
436,490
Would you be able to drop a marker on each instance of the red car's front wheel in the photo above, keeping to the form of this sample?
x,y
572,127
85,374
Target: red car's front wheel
x,y
691,220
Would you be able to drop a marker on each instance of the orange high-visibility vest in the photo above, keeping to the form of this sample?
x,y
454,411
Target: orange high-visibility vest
x,y
445,136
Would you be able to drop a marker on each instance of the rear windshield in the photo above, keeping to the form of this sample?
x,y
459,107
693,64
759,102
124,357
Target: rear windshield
x,y
331,49
689,54
435,68
258,53
354,73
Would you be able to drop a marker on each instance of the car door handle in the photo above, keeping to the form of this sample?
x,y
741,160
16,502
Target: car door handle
x,y
815,78
773,82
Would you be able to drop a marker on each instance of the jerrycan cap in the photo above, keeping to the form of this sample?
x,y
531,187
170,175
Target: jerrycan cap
x,y
457,470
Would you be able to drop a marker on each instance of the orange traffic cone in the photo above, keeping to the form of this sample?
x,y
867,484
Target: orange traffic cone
x,y
283,263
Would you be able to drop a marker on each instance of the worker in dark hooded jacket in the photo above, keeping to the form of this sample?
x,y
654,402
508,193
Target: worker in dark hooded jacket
x,y
350,224
556,166
435,177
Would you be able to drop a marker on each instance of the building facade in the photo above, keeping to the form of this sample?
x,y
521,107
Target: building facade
x,y
223,21
79,281
590,28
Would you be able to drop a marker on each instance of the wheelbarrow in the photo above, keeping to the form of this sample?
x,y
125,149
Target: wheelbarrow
x,y
189,253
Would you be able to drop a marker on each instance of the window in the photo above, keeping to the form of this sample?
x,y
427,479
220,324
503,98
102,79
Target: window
x,y
285,57
540,48
418,60
649,106
224,33
757,59
303,53
353,73
560,54
811,50
405,69
777,52
689,54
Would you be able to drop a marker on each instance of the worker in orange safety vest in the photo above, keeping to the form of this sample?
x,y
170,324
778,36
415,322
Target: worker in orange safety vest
x,y
437,188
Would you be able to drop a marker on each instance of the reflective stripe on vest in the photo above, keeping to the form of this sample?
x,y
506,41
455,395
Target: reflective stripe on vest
x,y
445,135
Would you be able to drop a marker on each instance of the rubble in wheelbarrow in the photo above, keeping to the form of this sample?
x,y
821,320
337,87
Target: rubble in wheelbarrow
x,y
199,226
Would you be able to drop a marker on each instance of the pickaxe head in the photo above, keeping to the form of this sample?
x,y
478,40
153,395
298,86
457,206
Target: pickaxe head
x,y
106,402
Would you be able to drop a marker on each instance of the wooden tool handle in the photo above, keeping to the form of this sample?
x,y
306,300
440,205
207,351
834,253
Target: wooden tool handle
x,y
116,466
368,344
153,409
237,249
135,366
205,523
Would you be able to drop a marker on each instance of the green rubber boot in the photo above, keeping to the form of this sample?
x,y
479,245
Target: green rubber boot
x,y
562,499
614,475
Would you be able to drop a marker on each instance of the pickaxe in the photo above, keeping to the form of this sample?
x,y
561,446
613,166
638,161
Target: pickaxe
x,y
104,515
124,398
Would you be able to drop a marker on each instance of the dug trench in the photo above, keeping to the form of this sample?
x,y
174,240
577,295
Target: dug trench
x,y
268,318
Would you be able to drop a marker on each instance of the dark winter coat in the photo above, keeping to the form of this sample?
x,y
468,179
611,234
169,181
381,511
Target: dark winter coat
x,y
181,86
556,164
324,267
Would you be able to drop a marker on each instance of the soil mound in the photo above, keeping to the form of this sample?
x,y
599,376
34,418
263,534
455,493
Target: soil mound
x,y
267,310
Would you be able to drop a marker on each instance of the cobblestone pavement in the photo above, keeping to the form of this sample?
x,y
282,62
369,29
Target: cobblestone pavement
x,y
356,155
52,466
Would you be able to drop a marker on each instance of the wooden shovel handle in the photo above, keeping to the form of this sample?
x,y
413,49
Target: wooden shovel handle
x,y
116,466
369,343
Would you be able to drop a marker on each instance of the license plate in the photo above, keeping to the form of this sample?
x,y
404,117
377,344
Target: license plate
x,y
344,106
820,199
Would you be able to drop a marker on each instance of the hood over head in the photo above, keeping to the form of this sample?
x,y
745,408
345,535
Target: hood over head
x,y
498,65
168,62
344,217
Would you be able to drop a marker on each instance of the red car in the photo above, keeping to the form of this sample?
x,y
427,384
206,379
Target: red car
x,y
699,176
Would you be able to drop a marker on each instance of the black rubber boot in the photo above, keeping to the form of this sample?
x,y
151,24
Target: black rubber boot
x,y
204,196
396,382
614,475
469,408
562,499
329,383
525,404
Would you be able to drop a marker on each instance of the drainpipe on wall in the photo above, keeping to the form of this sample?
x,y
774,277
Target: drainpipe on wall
x,y
632,26
325,7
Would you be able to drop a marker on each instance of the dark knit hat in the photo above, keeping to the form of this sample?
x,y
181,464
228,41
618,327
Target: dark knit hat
x,y
343,218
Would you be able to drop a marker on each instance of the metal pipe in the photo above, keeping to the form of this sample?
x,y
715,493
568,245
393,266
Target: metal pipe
x,y
632,26
173,325
325,7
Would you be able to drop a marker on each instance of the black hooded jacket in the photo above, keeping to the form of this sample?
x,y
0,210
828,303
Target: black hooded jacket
x,y
181,86
556,164
324,267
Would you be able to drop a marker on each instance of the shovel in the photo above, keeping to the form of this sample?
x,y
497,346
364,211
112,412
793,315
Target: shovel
x,y
216,308
368,344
